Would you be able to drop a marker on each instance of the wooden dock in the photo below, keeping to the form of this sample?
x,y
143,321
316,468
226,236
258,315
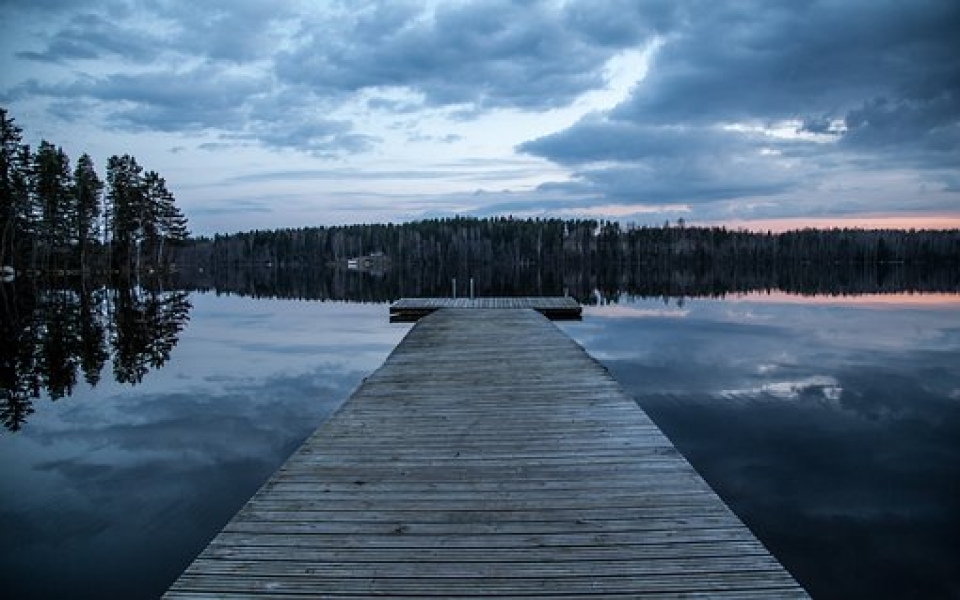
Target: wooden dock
x,y
489,455
410,310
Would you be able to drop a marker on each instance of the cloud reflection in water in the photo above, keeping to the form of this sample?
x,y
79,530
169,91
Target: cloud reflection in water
x,y
112,491
831,428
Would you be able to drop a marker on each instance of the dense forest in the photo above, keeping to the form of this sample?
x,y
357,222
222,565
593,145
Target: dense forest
x,y
57,218
607,284
556,245
590,260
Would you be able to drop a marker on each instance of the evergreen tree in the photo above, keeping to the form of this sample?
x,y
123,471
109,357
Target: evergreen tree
x,y
167,223
51,216
126,213
88,192
52,189
15,213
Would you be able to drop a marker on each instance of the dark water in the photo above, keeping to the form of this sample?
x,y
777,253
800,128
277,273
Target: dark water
x,y
831,426
111,492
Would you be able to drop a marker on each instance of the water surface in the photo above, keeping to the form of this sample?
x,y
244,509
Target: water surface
x,y
112,491
830,425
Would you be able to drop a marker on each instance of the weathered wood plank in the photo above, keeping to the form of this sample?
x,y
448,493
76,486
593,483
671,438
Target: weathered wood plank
x,y
489,455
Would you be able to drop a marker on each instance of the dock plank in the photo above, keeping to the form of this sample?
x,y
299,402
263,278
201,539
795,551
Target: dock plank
x,y
489,455
558,308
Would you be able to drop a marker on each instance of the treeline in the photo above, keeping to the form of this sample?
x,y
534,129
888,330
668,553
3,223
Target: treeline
x,y
54,217
555,245
54,336
607,284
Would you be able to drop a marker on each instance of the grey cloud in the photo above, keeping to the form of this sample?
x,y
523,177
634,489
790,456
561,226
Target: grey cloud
x,y
598,139
89,36
319,137
691,182
142,32
55,6
619,23
817,124
167,101
215,146
929,128
228,30
393,106
331,174
233,207
888,72
627,161
256,72
208,98
776,61
481,54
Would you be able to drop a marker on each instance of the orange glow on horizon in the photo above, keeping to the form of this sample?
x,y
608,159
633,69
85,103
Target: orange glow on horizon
x,y
894,299
860,222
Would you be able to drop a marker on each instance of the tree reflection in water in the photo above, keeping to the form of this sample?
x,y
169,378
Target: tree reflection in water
x,y
53,334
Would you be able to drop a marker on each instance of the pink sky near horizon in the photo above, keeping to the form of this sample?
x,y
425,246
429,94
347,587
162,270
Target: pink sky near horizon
x,y
854,222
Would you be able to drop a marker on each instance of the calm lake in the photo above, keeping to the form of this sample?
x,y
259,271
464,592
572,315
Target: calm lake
x,y
831,425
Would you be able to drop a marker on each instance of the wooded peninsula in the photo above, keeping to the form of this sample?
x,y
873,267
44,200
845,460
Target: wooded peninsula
x,y
57,219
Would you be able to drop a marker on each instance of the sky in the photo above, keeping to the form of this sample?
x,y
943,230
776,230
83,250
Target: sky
x,y
262,114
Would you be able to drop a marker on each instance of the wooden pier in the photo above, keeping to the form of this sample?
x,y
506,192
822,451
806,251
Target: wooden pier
x,y
410,310
489,455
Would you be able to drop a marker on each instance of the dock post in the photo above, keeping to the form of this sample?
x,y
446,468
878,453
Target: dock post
x,y
471,288
453,284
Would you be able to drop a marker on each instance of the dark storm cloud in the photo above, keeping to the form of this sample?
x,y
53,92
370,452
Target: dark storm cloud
x,y
486,54
924,133
620,23
882,80
792,59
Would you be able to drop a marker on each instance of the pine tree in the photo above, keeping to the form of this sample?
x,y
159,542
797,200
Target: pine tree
x,y
52,189
15,217
88,191
126,210
167,223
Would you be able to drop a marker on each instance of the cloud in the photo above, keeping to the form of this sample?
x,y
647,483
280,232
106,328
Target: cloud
x,y
480,54
598,139
90,36
236,31
929,128
627,161
321,137
141,32
757,99
200,98
730,110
